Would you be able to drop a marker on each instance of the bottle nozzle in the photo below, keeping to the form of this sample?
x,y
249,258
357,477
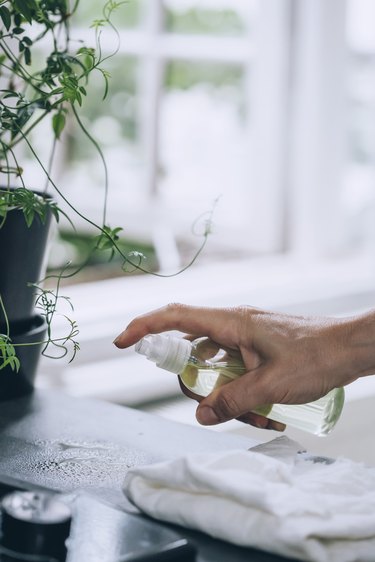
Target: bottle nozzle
x,y
144,346
167,352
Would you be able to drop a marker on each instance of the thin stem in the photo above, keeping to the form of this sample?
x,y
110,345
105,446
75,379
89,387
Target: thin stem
x,y
22,72
68,275
5,150
42,342
14,59
50,163
101,155
17,166
74,9
28,131
105,233
2,306
107,17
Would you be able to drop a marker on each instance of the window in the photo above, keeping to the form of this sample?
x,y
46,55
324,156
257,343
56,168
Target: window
x,y
177,127
359,191
267,104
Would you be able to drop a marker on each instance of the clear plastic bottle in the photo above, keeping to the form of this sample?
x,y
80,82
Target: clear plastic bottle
x,y
203,366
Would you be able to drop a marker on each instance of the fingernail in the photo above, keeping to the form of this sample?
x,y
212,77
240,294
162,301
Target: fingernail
x,y
117,340
207,416
276,426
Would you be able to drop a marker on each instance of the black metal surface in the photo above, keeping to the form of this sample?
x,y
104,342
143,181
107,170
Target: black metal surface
x,y
83,449
100,533
35,523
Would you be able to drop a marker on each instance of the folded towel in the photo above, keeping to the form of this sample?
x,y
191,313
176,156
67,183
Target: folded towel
x,y
291,505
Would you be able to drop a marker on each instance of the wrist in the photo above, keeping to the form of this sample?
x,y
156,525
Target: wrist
x,y
359,342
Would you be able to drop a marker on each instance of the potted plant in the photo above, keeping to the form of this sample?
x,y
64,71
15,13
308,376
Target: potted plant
x,y
31,93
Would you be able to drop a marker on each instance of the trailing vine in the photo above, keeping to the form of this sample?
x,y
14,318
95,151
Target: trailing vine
x,y
54,91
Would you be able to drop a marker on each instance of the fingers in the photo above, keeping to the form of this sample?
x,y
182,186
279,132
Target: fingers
x,y
250,418
188,392
261,422
228,326
195,320
236,398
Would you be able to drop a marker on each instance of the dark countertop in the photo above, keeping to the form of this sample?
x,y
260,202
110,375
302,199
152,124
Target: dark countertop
x,y
84,447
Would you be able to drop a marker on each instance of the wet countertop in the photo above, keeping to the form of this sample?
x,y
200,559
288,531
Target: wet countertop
x,y
82,448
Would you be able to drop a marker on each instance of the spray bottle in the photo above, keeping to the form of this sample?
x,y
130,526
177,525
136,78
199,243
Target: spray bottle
x,y
204,365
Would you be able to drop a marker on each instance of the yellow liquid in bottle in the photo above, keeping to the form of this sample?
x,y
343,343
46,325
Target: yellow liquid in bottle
x,y
210,367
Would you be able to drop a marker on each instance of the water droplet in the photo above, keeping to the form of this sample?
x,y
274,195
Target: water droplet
x,y
65,464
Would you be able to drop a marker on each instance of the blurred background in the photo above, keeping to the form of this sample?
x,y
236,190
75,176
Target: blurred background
x,y
264,110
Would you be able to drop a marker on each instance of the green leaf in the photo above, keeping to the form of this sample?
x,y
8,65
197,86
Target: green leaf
x,y
30,203
24,113
8,354
27,55
108,239
13,362
55,212
58,123
18,30
57,91
26,8
88,54
106,76
78,97
29,215
98,23
6,17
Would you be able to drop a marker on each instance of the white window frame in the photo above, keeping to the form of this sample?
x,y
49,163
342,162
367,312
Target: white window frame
x,y
317,159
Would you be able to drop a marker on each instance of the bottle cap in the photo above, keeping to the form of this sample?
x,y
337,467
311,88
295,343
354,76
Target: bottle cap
x,y
35,523
168,352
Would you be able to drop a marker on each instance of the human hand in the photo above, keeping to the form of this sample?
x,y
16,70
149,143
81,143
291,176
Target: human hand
x,y
289,359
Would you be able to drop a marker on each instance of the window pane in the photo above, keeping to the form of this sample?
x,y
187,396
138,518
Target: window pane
x,y
362,87
127,15
207,17
119,108
359,193
204,143
114,123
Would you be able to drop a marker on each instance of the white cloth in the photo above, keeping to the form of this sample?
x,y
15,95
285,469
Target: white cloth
x,y
290,506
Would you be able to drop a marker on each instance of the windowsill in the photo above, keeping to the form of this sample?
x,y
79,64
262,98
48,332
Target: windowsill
x,y
281,283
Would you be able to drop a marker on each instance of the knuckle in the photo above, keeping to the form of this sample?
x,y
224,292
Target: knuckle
x,y
245,319
175,306
241,311
226,406
132,324
176,311
245,309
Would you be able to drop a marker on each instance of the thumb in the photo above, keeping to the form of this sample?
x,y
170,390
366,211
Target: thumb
x,y
236,398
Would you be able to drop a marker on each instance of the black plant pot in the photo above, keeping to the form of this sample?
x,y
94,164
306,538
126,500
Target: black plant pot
x,y
13,384
23,251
